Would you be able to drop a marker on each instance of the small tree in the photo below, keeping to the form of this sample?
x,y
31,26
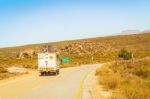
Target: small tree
x,y
125,54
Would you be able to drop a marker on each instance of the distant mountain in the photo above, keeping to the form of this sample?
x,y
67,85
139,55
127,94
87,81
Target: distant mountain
x,y
127,32
146,31
136,31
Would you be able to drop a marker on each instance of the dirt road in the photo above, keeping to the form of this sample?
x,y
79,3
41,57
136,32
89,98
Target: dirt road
x,y
63,86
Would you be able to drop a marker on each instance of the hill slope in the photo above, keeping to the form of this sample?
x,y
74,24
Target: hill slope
x,y
81,51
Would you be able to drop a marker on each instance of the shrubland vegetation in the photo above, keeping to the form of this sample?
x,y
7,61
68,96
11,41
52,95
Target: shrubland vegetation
x,y
102,49
128,79
5,74
125,54
3,70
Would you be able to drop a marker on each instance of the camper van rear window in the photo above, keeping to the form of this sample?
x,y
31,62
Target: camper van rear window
x,y
51,57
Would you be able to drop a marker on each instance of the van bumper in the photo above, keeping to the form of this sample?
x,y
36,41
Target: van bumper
x,y
54,69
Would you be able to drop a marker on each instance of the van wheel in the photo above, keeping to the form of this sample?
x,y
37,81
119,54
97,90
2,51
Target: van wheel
x,y
48,73
55,73
58,71
42,73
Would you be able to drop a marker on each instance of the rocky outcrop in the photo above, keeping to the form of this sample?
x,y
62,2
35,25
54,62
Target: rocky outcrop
x,y
78,48
85,48
28,53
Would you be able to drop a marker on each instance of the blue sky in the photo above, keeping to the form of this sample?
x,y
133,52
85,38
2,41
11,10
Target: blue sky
x,y
37,21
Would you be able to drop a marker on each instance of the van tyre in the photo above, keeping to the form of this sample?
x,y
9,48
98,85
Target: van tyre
x,y
42,73
57,71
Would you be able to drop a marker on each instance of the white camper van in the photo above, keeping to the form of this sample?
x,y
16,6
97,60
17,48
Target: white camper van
x,y
48,62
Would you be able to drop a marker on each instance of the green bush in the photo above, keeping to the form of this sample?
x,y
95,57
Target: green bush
x,y
125,54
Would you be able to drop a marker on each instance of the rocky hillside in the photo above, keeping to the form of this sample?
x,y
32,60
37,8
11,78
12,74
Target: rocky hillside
x,y
101,48
85,48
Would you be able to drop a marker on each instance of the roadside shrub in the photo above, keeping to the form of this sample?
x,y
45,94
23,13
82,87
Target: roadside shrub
x,y
142,72
127,79
26,55
103,71
107,78
135,92
110,82
3,70
125,54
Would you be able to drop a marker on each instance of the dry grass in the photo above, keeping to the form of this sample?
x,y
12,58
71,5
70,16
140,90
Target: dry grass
x,y
109,79
3,70
7,62
11,61
128,79
5,74
8,75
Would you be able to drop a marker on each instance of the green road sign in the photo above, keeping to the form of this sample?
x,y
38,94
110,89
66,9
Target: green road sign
x,y
66,59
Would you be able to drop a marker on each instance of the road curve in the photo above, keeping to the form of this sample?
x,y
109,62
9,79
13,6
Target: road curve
x,y
63,86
